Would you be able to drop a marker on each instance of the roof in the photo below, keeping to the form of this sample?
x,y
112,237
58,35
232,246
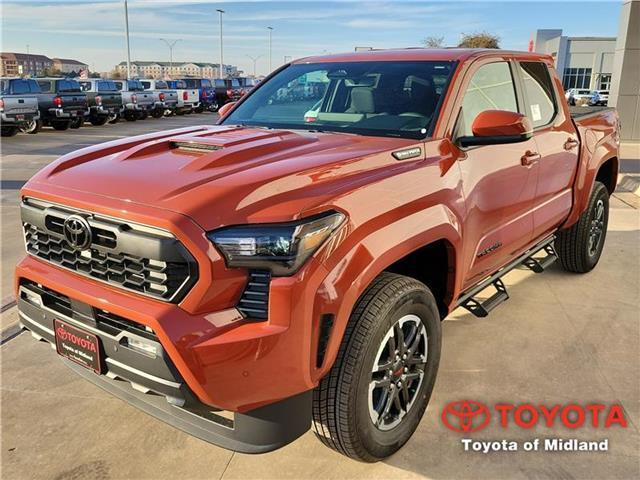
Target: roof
x,y
25,56
417,54
69,61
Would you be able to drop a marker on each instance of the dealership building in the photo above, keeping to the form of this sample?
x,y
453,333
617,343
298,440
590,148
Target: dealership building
x,y
583,62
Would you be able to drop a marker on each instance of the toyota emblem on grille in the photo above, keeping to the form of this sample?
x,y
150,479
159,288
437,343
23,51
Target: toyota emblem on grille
x,y
77,232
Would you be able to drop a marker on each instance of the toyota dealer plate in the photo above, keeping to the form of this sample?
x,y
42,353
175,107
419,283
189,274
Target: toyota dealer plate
x,y
77,345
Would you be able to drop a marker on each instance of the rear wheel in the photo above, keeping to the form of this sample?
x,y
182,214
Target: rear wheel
x,y
9,131
580,246
31,127
373,398
77,122
157,113
60,124
98,121
130,116
199,109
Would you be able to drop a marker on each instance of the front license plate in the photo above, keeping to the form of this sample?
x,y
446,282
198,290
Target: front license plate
x,y
77,345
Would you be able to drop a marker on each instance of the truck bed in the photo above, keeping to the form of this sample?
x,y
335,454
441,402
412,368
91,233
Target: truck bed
x,y
579,112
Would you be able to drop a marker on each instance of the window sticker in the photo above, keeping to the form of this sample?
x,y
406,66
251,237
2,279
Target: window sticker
x,y
535,112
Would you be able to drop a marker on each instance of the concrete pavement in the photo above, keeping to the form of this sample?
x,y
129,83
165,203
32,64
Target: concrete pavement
x,y
560,338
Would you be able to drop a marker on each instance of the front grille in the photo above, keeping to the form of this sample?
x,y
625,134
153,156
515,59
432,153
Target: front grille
x,y
107,322
132,257
254,302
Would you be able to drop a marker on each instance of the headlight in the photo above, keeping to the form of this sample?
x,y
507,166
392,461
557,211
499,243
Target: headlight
x,y
281,248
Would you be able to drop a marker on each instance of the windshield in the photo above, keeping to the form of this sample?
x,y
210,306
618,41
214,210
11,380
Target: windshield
x,y
370,98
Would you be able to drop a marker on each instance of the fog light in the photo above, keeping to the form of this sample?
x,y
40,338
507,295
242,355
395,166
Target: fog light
x,y
142,346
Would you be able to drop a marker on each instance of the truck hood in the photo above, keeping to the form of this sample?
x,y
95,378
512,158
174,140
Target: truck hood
x,y
221,175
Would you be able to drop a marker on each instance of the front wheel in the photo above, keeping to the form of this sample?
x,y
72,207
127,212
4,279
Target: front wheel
x,y
372,400
580,246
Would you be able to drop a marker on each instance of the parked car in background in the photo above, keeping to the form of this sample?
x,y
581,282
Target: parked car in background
x,y
207,93
246,85
104,100
188,98
165,98
227,90
62,103
18,106
137,102
599,97
574,95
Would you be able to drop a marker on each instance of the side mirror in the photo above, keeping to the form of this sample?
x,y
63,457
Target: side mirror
x,y
494,127
223,110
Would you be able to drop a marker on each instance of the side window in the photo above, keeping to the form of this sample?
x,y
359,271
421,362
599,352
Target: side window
x,y
45,86
146,85
540,100
34,87
490,88
119,85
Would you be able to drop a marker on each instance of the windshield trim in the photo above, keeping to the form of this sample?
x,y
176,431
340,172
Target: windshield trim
x,y
356,131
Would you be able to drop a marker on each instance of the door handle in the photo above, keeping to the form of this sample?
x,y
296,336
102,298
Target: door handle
x,y
529,158
570,144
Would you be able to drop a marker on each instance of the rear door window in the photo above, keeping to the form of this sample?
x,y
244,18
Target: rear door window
x,y
107,86
539,94
160,84
490,88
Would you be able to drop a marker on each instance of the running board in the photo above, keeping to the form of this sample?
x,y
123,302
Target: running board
x,y
481,308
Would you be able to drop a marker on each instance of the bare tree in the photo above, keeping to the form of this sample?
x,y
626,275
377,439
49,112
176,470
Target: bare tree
x,y
433,42
479,40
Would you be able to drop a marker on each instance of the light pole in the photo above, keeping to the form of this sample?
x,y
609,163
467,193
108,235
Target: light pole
x,y
221,62
126,30
270,45
254,59
170,45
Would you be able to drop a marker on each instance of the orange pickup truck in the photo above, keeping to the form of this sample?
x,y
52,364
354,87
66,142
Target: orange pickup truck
x,y
290,266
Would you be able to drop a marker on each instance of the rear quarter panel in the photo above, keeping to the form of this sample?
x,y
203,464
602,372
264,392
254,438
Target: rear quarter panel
x,y
599,142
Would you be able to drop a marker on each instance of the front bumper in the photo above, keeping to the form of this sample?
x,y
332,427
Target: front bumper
x,y
152,382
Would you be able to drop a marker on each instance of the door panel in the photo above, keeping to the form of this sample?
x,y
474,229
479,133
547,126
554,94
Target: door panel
x,y
499,186
557,144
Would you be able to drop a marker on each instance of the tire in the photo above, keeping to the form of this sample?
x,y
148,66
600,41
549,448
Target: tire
x,y
77,123
112,119
130,116
199,109
580,246
98,121
60,124
9,131
343,404
143,115
32,127
188,111
157,113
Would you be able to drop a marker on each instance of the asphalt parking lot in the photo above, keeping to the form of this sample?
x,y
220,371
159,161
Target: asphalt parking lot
x,y
560,339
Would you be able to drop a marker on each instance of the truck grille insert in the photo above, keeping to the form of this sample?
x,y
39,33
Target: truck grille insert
x,y
254,302
103,320
128,256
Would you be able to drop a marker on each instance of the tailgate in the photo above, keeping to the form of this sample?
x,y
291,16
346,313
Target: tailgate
x,y
15,105
144,98
110,100
73,101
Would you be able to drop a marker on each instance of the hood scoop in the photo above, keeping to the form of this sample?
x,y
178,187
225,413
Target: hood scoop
x,y
193,146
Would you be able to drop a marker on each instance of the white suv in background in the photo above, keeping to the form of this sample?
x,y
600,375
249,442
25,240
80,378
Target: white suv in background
x,y
574,94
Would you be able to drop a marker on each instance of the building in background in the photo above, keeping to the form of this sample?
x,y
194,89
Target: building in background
x,y
17,64
625,90
582,62
176,70
67,65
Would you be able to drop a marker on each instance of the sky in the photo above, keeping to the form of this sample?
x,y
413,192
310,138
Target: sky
x,y
93,31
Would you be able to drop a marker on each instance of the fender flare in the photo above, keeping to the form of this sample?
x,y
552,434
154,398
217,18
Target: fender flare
x,y
350,277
